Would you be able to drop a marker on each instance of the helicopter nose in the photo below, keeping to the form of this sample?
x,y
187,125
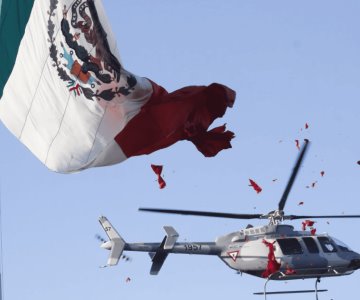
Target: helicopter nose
x,y
355,264
106,245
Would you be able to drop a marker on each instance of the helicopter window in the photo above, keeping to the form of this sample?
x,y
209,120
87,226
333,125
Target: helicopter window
x,y
257,230
326,244
342,246
311,245
252,231
290,246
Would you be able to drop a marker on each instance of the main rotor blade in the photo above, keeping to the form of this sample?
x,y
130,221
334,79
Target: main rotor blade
x,y
295,217
293,176
204,213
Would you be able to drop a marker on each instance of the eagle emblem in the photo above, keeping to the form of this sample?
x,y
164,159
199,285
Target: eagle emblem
x,y
82,56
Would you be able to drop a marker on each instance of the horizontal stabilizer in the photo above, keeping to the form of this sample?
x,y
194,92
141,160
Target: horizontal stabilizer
x,y
171,237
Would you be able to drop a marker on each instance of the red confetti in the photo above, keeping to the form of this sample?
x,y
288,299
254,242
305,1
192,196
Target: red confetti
x,y
289,271
306,125
301,203
307,223
313,231
303,226
161,182
272,266
322,173
255,186
158,170
297,144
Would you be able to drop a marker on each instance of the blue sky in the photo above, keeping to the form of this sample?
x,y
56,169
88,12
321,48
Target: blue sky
x,y
290,62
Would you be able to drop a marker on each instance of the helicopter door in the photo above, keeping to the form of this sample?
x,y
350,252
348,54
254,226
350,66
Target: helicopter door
x,y
313,257
290,246
292,251
330,251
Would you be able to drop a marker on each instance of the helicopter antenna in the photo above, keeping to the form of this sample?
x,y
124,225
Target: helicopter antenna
x,y
293,176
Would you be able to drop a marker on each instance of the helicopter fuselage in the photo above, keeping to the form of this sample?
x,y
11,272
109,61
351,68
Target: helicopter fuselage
x,y
299,253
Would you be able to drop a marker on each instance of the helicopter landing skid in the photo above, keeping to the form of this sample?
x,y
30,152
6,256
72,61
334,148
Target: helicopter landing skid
x,y
316,291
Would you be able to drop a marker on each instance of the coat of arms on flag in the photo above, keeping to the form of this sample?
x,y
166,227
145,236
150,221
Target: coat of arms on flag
x,y
74,104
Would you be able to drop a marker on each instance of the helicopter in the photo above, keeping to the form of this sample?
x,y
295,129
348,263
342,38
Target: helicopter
x,y
275,251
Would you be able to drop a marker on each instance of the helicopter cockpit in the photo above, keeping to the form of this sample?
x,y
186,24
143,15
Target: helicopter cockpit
x,y
311,245
342,246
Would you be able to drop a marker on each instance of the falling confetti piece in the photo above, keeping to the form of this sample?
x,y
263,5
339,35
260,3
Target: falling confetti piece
x,y
255,186
303,226
158,169
310,224
161,182
301,203
289,271
307,223
322,173
313,184
274,180
306,125
297,144
358,162
128,279
272,266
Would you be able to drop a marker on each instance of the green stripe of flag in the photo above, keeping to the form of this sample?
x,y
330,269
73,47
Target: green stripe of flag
x,y
14,15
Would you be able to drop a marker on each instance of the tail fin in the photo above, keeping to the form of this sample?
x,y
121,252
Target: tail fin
x,y
162,252
117,244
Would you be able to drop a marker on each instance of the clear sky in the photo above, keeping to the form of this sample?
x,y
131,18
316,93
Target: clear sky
x,y
291,63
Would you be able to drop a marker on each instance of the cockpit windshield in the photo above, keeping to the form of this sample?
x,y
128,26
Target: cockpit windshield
x,y
342,246
327,244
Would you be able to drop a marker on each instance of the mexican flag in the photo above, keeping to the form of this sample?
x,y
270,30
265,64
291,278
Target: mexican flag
x,y
66,95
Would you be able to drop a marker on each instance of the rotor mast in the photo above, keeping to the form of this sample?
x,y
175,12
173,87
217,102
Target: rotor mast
x,y
277,216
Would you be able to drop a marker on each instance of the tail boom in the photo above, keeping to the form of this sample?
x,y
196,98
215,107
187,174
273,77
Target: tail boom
x,y
158,251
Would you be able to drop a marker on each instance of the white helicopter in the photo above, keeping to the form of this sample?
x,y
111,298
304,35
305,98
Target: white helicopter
x,y
275,251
